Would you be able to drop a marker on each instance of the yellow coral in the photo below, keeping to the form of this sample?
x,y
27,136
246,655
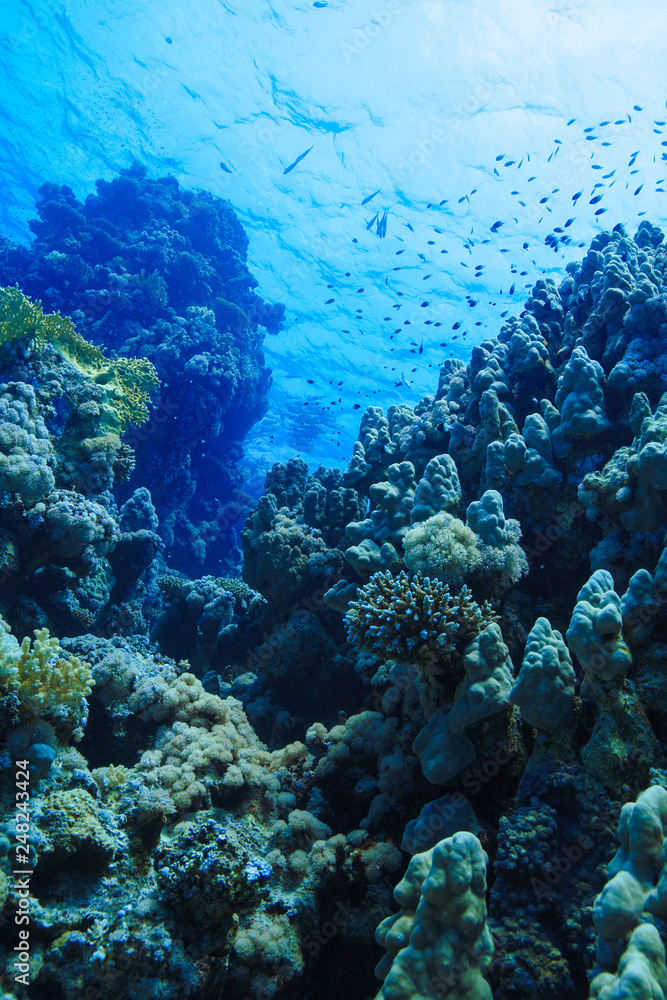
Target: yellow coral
x,y
128,382
48,682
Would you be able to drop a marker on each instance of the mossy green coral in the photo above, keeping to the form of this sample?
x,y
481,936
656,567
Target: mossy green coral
x,y
72,829
128,382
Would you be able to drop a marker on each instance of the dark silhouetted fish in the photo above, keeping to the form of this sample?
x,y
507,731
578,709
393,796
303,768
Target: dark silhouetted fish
x,y
298,160
370,196
381,229
369,225
225,167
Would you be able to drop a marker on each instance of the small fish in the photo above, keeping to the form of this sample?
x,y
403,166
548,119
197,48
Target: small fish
x,y
602,124
568,223
635,107
595,200
513,286
404,381
381,229
370,196
298,160
457,324
571,121
577,196
525,246
225,168
639,189
328,302
499,157
591,128
600,211
369,225
496,226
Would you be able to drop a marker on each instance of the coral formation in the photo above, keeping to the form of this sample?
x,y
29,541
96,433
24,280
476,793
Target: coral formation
x,y
225,739
439,941
413,620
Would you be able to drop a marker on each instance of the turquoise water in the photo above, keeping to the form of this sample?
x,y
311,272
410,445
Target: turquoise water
x,y
416,99
333,565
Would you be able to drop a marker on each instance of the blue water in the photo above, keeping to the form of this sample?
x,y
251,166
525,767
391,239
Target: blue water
x,y
417,99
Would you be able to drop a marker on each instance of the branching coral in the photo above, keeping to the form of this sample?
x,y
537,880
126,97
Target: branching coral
x,y
48,682
414,620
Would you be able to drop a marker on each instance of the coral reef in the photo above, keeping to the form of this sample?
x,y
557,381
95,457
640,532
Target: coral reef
x,y
221,759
